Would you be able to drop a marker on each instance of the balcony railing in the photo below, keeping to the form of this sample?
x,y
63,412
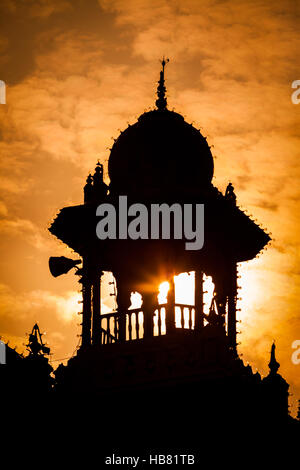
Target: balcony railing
x,y
132,322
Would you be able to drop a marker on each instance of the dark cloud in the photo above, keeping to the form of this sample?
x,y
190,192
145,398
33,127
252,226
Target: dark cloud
x,y
267,205
31,28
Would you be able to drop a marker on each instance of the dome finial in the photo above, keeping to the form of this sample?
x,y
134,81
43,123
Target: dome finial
x,y
161,102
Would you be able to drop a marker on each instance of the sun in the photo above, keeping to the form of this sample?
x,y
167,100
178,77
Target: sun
x,y
184,293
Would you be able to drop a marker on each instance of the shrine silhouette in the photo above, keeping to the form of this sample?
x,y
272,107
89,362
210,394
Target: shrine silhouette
x,y
171,360
160,159
156,373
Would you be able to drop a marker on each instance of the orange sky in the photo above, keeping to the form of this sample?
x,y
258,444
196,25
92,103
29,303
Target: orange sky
x,y
77,71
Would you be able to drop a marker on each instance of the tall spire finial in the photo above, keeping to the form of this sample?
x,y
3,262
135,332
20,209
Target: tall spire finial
x,y
273,364
161,102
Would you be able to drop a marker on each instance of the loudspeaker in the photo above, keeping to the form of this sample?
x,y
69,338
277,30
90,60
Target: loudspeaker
x,y
61,265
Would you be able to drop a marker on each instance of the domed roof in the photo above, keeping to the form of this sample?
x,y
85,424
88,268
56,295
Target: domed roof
x,y
160,151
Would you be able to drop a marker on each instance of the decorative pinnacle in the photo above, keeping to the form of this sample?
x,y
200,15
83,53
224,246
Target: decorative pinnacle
x,y
161,102
89,179
273,364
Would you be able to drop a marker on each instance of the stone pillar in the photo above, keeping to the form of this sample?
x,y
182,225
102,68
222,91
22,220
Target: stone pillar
x,y
232,295
86,306
170,308
199,302
149,305
96,289
123,301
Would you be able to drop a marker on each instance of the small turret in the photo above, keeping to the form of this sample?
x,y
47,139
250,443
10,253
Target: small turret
x,y
95,189
275,391
100,188
98,175
88,189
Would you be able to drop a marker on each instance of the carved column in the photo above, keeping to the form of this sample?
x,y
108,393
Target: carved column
x,y
199,302
96,289
86,306
170,309
149,303
232,296
123,301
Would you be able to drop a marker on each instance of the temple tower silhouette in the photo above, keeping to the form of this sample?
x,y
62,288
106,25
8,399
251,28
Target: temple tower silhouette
x,y
176,349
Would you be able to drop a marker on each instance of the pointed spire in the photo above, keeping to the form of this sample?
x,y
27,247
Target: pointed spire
x,y
273,364
161,102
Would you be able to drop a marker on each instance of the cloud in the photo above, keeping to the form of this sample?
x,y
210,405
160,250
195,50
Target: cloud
x,y
57,315
21,310
36,8
3,209
26,230
65,307
9,185
29,304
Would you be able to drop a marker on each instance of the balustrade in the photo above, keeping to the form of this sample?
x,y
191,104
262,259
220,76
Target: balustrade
x,y
184,316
